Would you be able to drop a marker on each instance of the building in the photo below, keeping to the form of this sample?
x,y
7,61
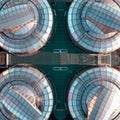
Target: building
x,y
39,62
25,94
25,26
94,25
95,94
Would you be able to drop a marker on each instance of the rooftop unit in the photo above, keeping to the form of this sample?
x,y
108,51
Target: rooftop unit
x,y
4,60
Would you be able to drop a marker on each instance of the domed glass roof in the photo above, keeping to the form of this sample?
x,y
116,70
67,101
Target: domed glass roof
x,y
25,94
95,94
25,25
95,24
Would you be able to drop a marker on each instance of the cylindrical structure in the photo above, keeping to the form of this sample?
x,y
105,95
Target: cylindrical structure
x,y
25,25
25,94
95,95
95,24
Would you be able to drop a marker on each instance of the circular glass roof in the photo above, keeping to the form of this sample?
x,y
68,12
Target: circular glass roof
x,y
94,24
95,95
21,25
25,94
25,25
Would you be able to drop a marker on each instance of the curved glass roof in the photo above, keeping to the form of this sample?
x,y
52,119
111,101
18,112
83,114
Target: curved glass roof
x,y
25,94
94,25
25,25
95,95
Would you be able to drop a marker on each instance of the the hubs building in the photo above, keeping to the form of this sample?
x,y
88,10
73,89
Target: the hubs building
x,y
94,24
25,94
25,25
53,36
95,94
